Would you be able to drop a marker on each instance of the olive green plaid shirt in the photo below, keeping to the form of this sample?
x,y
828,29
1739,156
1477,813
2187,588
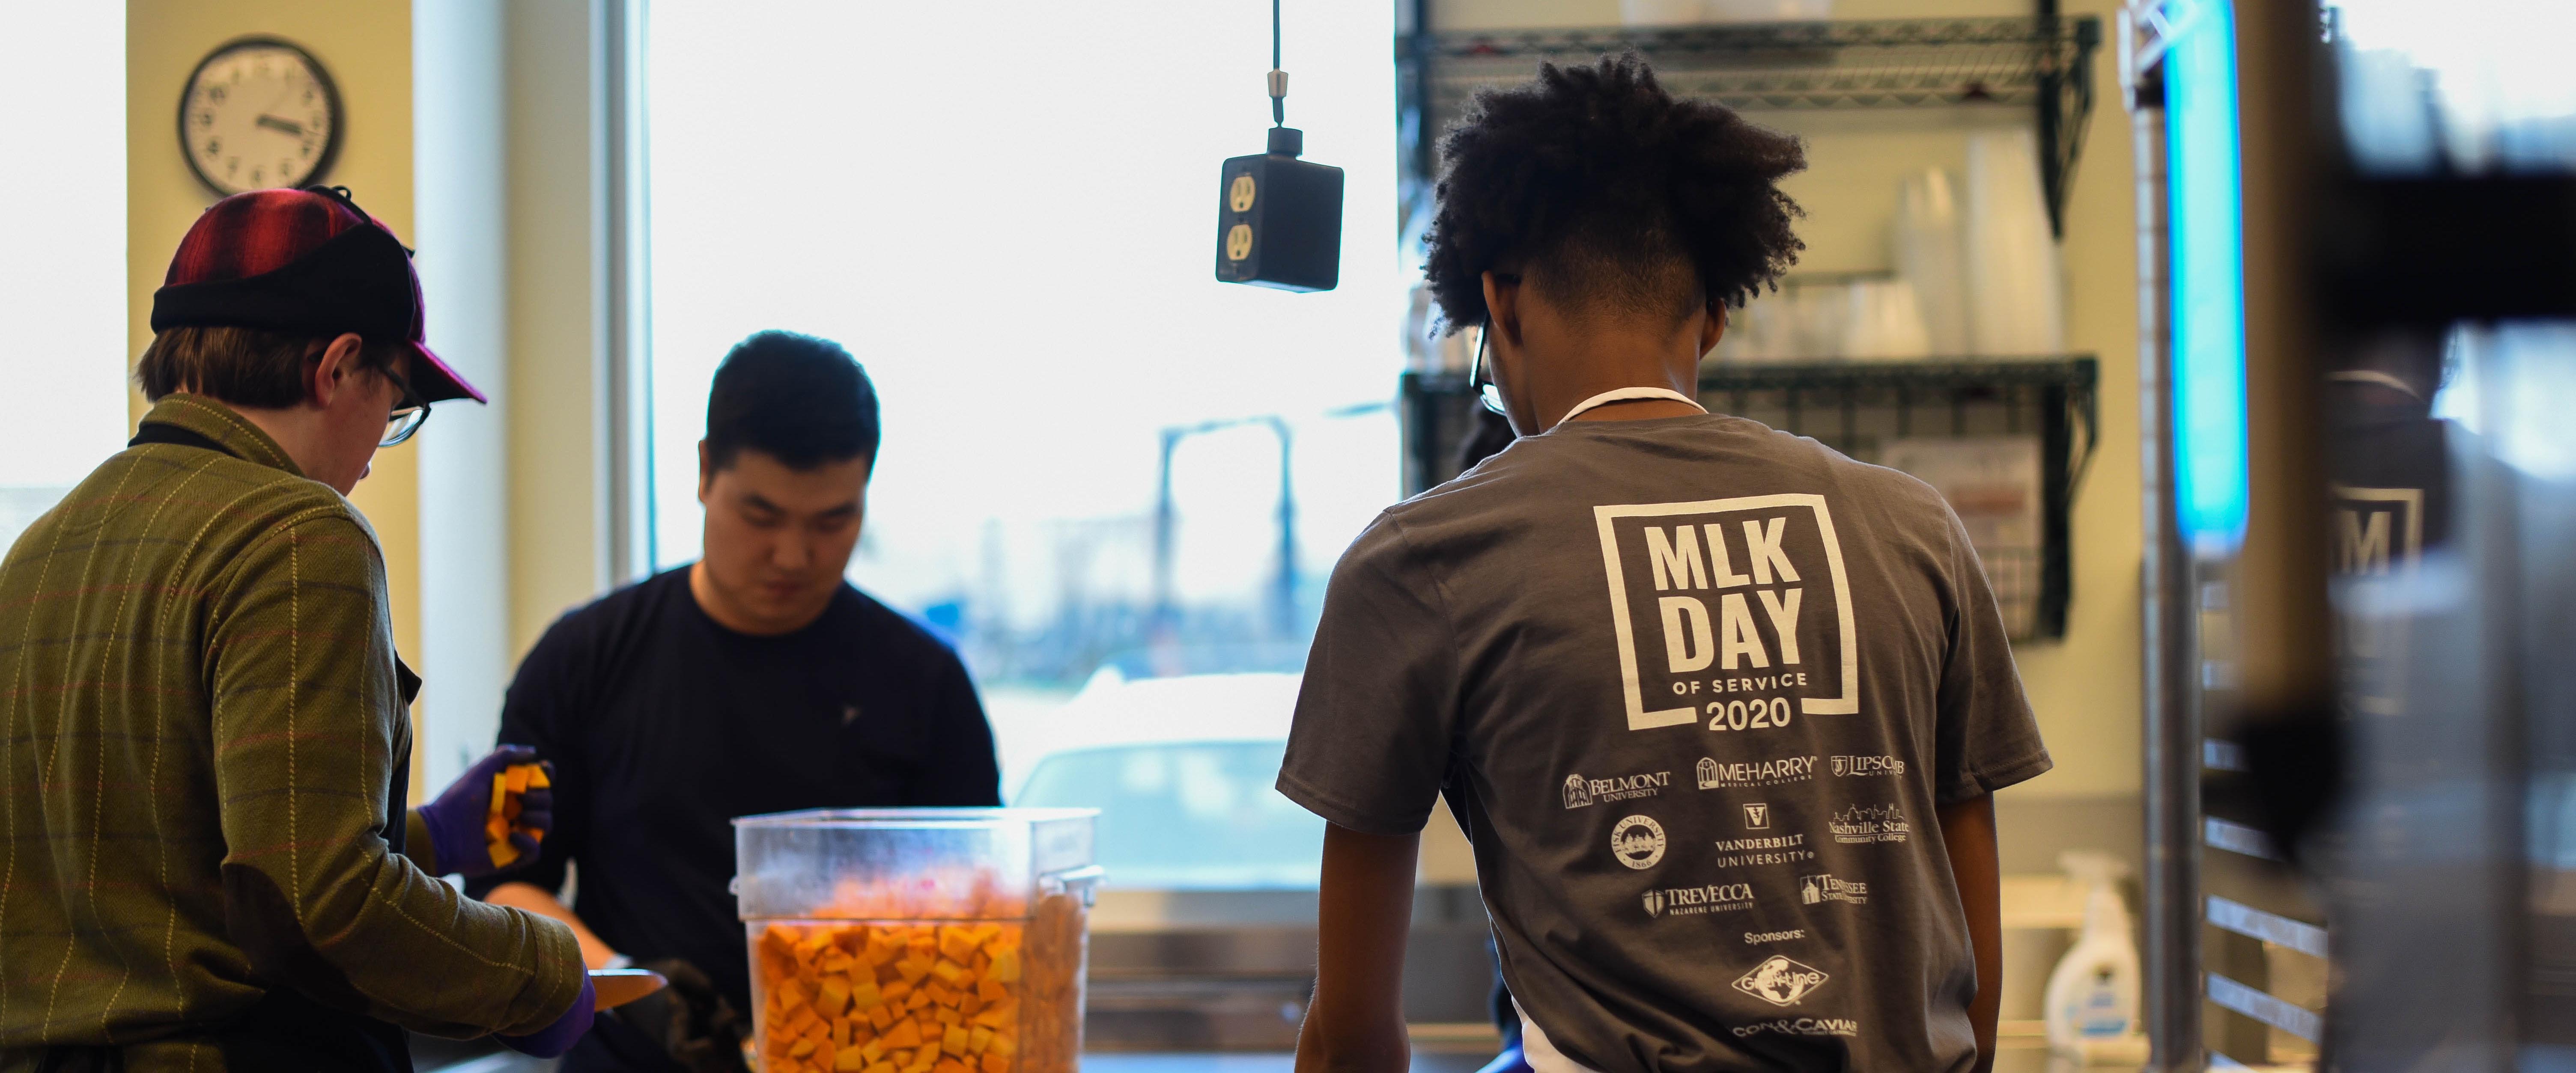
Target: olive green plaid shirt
x,y
201,735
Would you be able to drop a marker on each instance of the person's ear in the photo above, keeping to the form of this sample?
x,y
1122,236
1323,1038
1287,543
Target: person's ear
x,y
331,375
1712,329
706,473
1502,308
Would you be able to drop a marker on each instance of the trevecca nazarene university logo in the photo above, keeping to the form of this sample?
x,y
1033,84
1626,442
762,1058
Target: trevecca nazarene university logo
x,y
1736,613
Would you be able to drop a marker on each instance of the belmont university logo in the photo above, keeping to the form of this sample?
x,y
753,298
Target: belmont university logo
x,y
1734,613
1580,791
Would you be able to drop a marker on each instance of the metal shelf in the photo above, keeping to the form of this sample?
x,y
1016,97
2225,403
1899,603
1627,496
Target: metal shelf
x,y
1854,407
2043,62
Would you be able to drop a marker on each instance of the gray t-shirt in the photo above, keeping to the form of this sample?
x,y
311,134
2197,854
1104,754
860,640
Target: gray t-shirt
x,y
1694,688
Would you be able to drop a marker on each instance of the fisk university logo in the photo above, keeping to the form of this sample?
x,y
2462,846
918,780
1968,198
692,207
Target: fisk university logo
x,y
1741,598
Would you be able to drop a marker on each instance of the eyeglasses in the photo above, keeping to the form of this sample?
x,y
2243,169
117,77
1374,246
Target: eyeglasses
x,y
409,413
1480,376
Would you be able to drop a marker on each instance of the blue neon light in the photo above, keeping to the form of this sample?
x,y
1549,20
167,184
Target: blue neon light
x,y
2208,278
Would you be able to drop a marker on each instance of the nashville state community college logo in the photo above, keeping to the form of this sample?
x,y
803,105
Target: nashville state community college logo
x,y
1862,824
1780,981
1638,841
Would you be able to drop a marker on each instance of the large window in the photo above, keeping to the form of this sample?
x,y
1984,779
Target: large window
x,y
62,256
1007,211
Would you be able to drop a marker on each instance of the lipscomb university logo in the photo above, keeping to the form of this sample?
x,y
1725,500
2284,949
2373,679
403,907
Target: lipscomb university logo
x,y
1749,601
1780,981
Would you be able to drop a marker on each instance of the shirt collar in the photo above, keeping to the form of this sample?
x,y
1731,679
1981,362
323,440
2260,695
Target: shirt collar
x,y
220,423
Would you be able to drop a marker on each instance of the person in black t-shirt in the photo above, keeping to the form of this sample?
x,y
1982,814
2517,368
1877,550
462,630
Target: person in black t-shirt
x,y
755,680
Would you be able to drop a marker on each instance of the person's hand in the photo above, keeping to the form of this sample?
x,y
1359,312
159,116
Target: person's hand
x,y
460,821
554,1039
690,1020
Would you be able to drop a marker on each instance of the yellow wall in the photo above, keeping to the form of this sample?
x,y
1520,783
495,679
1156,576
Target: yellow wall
x,y
366,47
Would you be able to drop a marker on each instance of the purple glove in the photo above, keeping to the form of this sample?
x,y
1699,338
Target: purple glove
x,y
554,1039
456,819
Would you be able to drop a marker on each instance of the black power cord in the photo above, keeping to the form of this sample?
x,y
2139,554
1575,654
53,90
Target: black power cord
x,y
1278,78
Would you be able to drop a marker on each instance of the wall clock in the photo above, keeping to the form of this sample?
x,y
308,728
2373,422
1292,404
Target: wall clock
x,y
257,113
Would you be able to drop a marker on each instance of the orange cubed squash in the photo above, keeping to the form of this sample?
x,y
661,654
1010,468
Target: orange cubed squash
x,y
990,989
864,994
950,1065
832,996
881,1016
949,972
848,1062
979,1039
1006,965
954,1040
994,1063
801,1048
903,1036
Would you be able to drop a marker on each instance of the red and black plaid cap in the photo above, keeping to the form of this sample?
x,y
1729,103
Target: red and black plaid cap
x,y
302,261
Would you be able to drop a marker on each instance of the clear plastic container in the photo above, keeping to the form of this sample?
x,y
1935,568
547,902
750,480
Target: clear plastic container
x,y
917,940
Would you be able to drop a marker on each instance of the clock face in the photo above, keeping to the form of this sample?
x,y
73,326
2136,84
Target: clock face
x,y
257,114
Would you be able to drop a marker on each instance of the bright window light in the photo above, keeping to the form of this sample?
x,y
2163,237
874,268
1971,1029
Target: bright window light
x,y
1007,210
62,256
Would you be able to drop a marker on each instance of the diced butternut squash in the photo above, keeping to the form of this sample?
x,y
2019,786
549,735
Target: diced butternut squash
x,y
903,1036
954,1040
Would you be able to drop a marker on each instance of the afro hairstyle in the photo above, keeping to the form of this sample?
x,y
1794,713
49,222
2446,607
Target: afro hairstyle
x,y
1605,188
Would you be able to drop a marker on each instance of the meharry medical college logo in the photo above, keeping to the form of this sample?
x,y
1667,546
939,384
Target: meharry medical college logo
x,y
1736,612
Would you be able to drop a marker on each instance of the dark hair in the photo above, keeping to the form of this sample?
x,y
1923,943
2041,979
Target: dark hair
x,y
1611,194
801,400
241,366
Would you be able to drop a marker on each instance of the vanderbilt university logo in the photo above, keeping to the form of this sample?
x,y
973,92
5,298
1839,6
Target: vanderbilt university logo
x,y
1730,601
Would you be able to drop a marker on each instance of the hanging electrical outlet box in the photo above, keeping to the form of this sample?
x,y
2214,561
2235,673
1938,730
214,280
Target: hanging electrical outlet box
x,y
1279,219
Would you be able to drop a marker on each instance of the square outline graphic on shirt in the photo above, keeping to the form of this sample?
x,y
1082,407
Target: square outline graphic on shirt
x,y
1641,719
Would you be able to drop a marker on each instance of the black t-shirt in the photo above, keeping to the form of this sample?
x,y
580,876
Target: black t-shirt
x,y
663,726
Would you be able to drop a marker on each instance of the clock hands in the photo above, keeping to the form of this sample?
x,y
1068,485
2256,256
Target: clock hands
x,y
287,126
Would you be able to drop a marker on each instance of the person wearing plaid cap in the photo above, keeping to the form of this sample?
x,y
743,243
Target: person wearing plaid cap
x,y
206,861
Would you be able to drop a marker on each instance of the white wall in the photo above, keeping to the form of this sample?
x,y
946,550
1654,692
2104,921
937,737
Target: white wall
x,y
461,194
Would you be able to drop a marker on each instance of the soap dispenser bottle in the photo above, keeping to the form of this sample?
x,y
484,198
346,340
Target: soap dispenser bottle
x,y
2092,997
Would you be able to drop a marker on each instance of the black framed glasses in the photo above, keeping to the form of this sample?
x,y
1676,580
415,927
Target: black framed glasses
x,y
409,413
1480,375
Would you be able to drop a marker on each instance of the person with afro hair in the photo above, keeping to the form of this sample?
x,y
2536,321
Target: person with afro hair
x,y
1721,711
